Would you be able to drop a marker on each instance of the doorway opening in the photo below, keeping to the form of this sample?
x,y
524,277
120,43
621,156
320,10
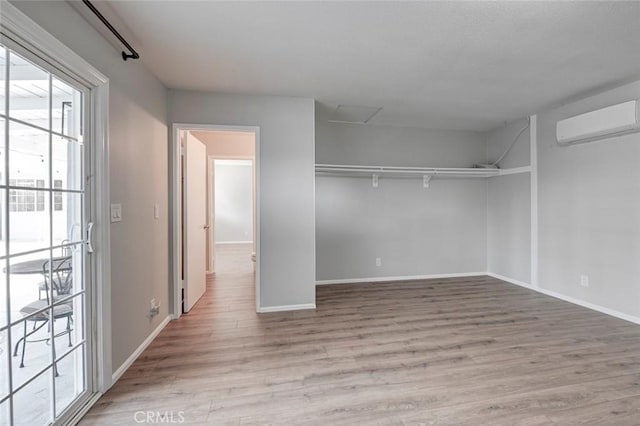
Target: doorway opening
x,y
215,210
231,197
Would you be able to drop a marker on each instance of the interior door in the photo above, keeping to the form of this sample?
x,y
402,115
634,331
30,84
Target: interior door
x,y
195,223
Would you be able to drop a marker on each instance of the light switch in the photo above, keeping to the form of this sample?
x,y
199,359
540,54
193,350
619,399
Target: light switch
x,y
116,213
156,211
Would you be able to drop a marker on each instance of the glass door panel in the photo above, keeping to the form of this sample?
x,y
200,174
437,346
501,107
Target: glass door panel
x,y
3,247
28,399
26,282
29,92
68,334
3,80
4,365
72,383
67,163
34,362
3,172
44,314
67,219
4,412
28,216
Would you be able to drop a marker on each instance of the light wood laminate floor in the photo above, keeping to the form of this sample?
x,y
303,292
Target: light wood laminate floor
x,y
465,351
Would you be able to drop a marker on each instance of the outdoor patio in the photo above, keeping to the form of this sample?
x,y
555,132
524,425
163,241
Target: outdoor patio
x,y
32,402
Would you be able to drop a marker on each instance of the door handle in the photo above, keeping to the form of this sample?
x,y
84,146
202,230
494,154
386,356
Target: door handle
x,y
205,227
90,248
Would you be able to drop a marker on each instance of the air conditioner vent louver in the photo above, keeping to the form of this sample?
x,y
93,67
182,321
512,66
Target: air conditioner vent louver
x,y
611,121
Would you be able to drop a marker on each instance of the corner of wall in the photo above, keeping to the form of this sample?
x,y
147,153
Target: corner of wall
x,y
313,189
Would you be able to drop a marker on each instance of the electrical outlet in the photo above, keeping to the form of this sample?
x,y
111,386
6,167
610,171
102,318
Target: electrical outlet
x,y
154,308
584,280
378,261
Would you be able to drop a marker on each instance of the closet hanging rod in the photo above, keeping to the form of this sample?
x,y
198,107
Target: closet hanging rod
x,y
125,55
415,171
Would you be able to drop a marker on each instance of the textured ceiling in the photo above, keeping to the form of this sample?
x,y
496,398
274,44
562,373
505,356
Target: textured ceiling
x,y
458,65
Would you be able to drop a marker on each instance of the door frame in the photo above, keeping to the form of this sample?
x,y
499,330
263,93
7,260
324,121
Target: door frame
x,y
175,216
212,194
17,28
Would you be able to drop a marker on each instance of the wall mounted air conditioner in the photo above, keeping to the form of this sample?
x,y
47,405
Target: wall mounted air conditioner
x,y
611,121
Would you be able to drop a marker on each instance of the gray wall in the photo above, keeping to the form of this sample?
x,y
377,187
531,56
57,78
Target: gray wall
x,y
396,146
499,140
589,210
286,180
509,205
509,226
415,231
138,155
234,201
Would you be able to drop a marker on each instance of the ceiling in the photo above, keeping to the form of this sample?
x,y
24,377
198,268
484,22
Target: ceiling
x,y
457,65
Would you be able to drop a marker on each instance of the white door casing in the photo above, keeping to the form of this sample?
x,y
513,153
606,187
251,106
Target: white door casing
x,y
176,219
212,213
195,220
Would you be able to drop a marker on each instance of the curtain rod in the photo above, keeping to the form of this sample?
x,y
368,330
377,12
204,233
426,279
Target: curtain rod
x,y
125,55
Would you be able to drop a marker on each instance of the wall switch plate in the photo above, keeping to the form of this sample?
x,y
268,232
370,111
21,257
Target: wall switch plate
x,y
584,280
156,211
378,261
116,213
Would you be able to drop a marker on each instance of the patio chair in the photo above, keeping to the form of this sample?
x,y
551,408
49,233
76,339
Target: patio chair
x,y
42,286
61,283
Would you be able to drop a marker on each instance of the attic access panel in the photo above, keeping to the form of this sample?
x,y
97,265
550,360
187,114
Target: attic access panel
x,y
354,114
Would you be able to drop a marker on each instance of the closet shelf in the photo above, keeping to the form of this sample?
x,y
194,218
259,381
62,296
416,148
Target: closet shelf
x,y
431,172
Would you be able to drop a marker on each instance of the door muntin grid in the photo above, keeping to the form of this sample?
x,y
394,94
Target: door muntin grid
x,y
44,209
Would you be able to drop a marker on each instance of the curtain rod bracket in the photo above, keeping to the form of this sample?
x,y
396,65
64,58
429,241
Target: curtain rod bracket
x,y
126,56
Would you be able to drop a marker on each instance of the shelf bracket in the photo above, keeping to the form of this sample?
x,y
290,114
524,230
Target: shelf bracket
x,y
374,181
426,180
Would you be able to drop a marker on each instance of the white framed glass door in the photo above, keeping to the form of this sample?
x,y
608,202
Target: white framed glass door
x,y
46,354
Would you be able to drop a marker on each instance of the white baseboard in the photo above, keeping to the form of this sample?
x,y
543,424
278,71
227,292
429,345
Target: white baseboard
x,y
125,366
511,280
569,299
400,278
282,308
